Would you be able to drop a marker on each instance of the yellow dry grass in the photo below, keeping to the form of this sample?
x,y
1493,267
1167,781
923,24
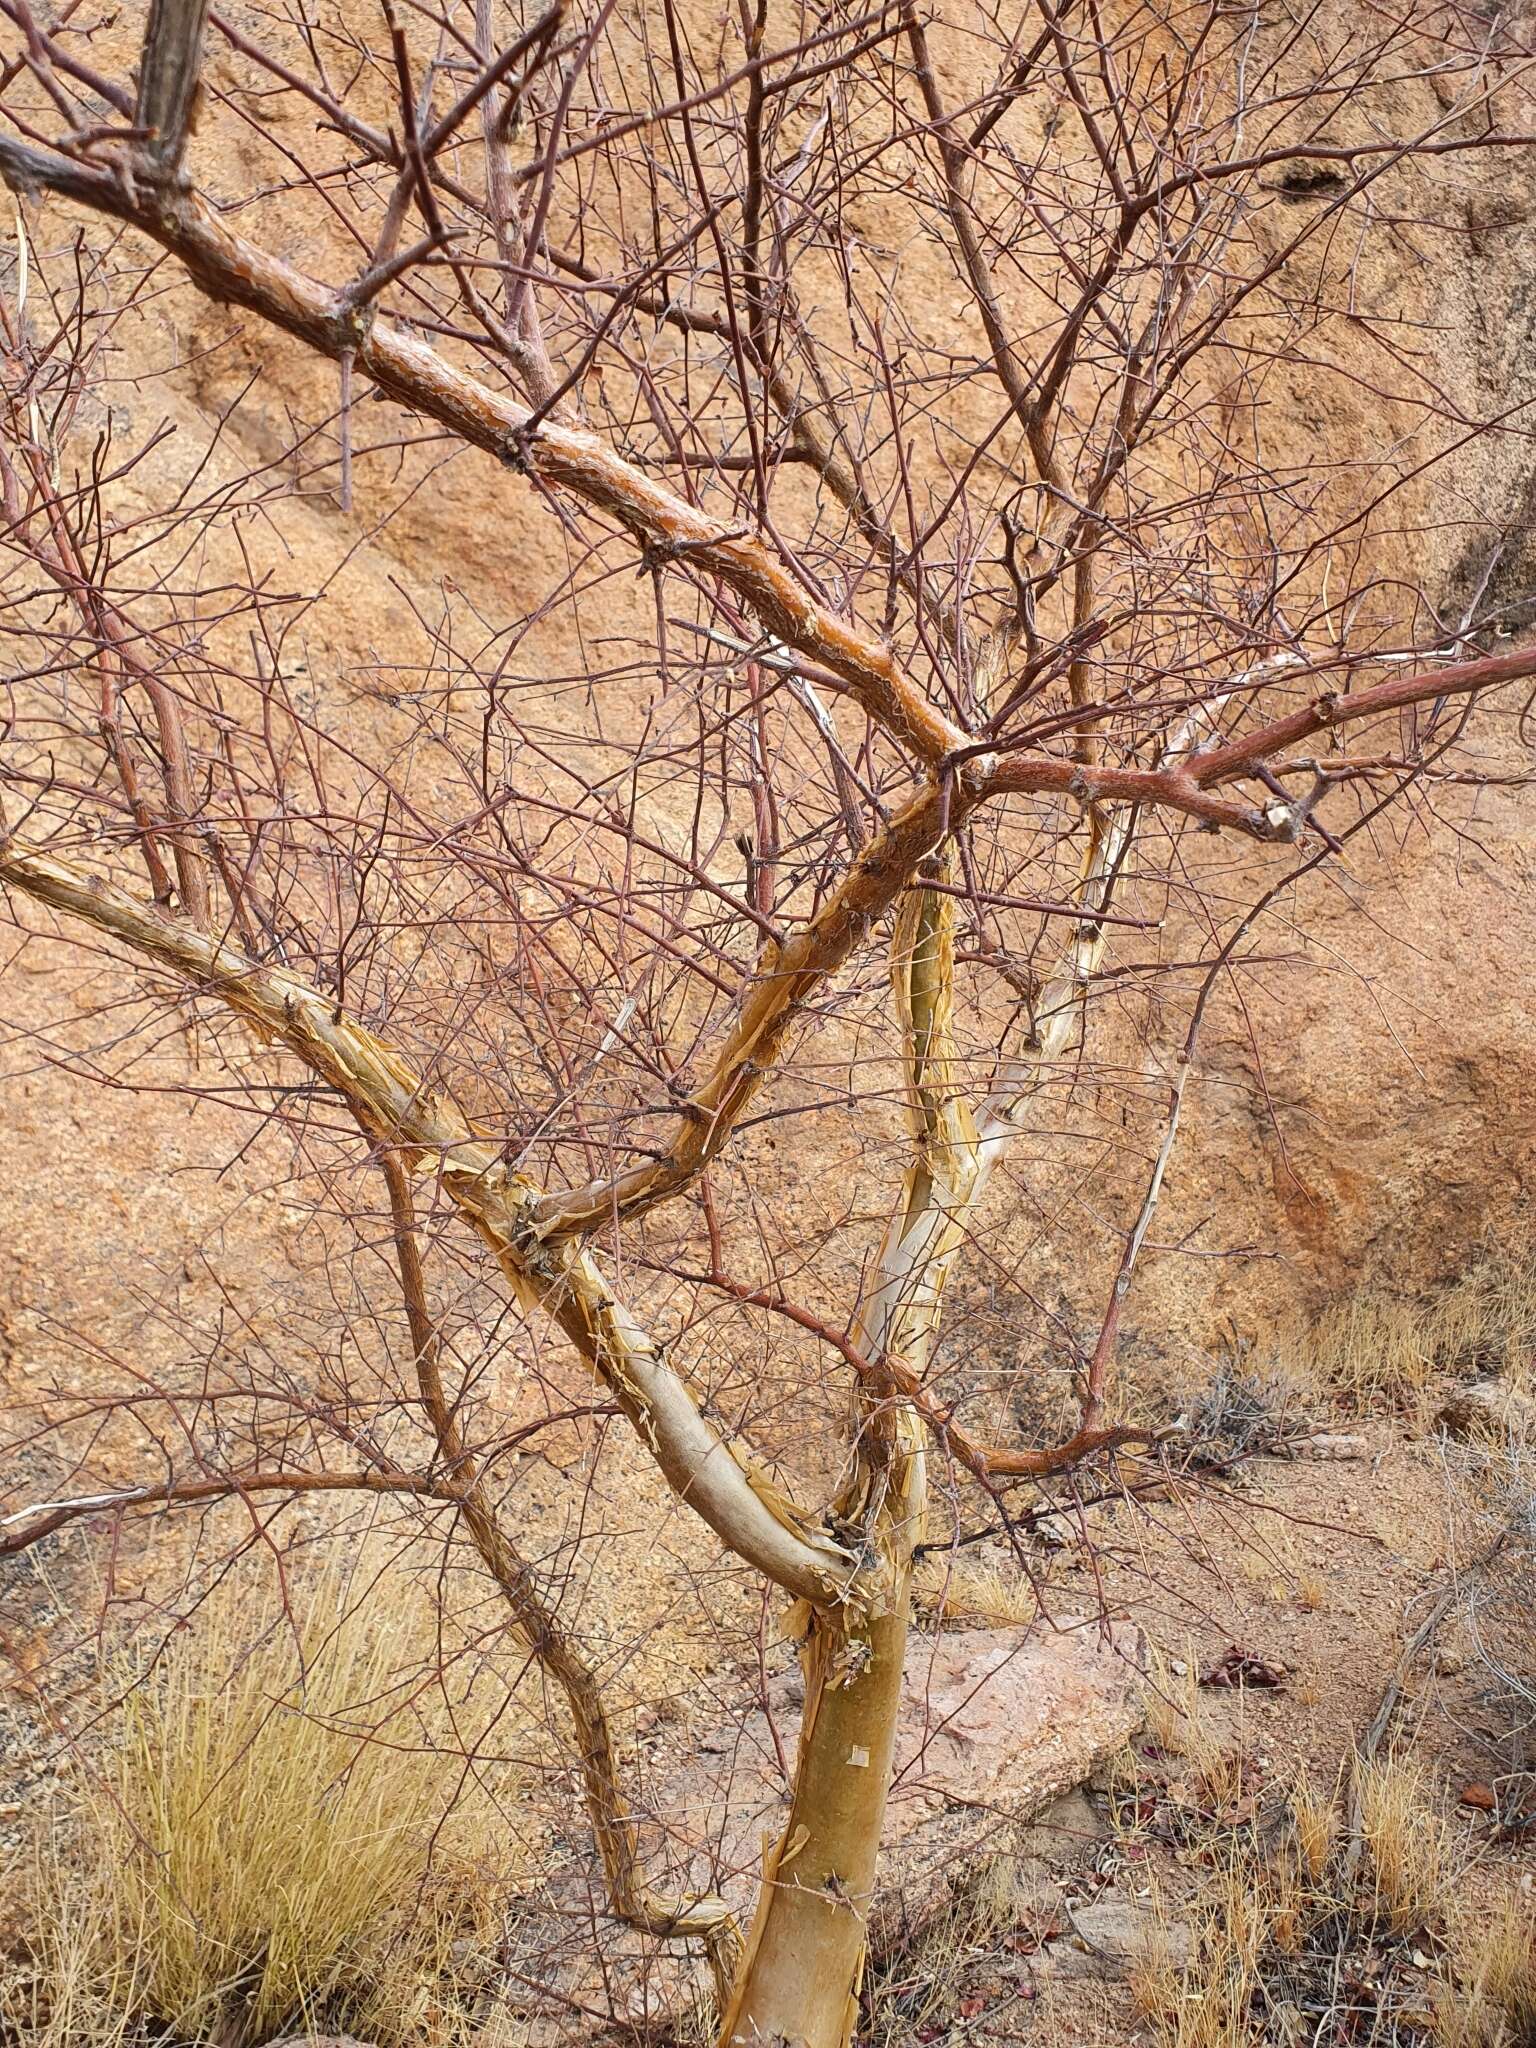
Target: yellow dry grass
x,y
1209,2005
1364,1349
1276,1566
1314,1827
83,1978
1180,1723
1265,1906
1408,1844
1493,2003
968,1595
1486,1321
280,1821
1269,1901
1373,1348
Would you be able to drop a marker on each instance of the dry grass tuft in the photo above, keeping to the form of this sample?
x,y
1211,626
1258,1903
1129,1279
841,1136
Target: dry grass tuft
x,y
1315,1828
1211,2004
1285,1929
82,1980
1492,1494
1176,1718
1277,1568
962,1594
1484,1325
1492,2003
1311,1592
1365,1350
1180,1723
1374,1348
1408,1844
274,1831
1497,1960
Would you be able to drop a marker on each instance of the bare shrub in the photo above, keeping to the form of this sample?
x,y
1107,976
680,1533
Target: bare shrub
x,y
877,686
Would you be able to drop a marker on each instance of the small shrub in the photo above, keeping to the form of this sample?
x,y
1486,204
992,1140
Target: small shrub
x,y
1238,1412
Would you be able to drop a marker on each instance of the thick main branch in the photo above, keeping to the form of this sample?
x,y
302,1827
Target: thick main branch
x,y
745,1510
230,268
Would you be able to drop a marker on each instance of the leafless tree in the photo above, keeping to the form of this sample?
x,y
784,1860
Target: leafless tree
x,y
917,364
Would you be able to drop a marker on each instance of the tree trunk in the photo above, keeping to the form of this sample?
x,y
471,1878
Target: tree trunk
x,y
798,1985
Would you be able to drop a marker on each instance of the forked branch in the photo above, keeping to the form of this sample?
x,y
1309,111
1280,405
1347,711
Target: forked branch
x,y
744,1508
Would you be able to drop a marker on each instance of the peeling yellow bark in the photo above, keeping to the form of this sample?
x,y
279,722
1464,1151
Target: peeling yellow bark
x,y
799,1981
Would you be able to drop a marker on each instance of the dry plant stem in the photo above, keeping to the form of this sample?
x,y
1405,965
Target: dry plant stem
x,y
839,471
613,1828
785,977
1033,412
744,1508
804,1961
229,267
1118,646
746,1511
891,1373
31,1525
955,1152
59,555
1368,1748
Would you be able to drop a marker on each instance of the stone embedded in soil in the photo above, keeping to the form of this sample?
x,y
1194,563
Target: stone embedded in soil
x,y
1489,1408
1328,1446
995,1725
1113,1935
1002,1720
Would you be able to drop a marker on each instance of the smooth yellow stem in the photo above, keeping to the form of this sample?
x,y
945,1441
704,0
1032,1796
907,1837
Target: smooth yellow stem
x,y
800,1988
798,1985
